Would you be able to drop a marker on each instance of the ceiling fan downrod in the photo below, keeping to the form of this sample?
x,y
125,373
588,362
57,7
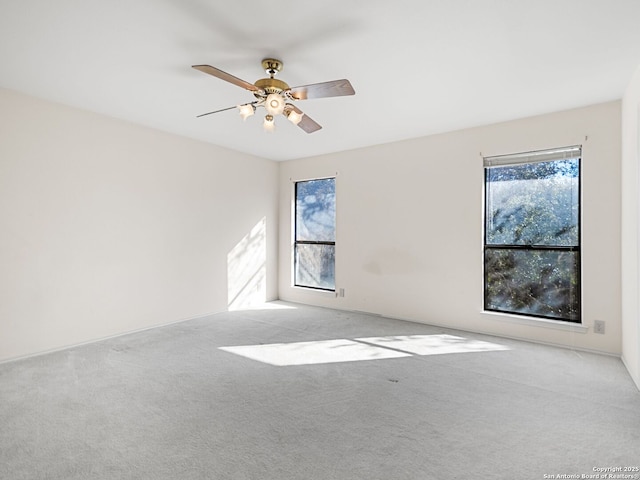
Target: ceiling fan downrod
x,y
271,66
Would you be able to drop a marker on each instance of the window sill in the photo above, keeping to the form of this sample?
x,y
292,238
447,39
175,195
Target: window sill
x,y
538,322
317,291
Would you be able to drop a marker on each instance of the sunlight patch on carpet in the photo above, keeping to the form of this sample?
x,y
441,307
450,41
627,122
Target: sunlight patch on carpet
x,y
433,344
315,352
360,349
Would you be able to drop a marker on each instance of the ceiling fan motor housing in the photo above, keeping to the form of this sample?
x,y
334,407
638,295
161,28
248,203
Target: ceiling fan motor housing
x,y
270,85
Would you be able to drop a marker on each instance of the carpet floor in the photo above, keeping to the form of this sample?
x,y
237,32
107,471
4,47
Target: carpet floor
x,y
297,392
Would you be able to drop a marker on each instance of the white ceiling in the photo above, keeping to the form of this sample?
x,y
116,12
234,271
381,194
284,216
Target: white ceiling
x,y
418,66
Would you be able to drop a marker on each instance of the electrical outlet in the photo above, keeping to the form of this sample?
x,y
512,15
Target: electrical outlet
x,y
341,292
598,326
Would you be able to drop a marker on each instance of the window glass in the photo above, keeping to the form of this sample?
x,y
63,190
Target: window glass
x,y
532,235
315,266
316,210
315,234
542,283
533,204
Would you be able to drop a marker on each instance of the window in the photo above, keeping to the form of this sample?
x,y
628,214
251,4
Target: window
x,y
532,234
315,234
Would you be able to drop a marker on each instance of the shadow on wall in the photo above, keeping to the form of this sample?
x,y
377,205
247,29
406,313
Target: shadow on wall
x,y
246,269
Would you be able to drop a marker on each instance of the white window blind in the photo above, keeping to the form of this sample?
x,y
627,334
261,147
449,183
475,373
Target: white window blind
x,y
564,153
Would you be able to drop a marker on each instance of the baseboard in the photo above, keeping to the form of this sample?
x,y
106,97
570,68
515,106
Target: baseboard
x,y
102,339
476,331
635,380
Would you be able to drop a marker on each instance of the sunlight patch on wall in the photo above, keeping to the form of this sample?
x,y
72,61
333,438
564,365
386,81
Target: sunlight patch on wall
x,y
360,349
246,269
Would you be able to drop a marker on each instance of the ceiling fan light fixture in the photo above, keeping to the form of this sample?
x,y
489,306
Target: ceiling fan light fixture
x,y
246,110
274,104
269,124
294,117
272,94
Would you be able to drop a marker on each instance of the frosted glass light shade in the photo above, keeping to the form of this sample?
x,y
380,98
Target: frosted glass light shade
x,y
274,104
269,124
295,117
246,110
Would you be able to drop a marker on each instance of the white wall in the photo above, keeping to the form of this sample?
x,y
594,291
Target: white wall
x,y
409,225
630,225
108,227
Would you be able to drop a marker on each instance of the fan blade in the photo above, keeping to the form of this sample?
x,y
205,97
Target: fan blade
x,y
217,111
227,77
336,88
228,108
307,124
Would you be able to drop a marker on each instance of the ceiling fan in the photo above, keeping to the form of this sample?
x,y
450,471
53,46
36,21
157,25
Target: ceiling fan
x,y
276,96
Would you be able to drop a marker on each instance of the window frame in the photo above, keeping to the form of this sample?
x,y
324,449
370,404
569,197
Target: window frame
x,y
297,242
577,249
